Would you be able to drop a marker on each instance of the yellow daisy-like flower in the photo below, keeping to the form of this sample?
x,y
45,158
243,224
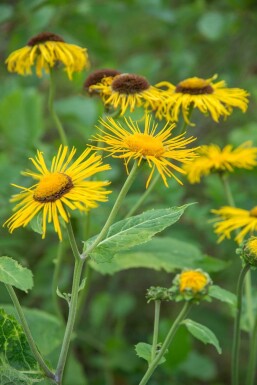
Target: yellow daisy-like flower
x,y
213,159
193,280
44,51
209,97
63,186
128,91
233,218
157,148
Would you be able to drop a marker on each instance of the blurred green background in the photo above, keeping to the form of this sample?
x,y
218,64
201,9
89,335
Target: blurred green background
x,y
161,40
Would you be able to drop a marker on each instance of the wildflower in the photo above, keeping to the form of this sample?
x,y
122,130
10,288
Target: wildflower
x,y
128,91
191,284
97,77
158,149
233,218
212,159
63,186
209,97
248,251
44,51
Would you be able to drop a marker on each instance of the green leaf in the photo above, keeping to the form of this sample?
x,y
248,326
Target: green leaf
x,y
160,253
202,333
45,328
13,343
11,376
222,295
12,273
134,231
144,350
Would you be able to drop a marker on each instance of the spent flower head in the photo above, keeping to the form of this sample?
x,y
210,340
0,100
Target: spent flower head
x,y
62,187
191,285
213,159
43,52
232,218
158,148
205,95
158,293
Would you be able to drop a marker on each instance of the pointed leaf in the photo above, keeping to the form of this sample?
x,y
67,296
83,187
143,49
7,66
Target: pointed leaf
x,y
202,333
12,273
134,231
164,253
11,376
144,350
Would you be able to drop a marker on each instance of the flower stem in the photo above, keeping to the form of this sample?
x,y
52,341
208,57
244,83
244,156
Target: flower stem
x,y
143,196
157,307
57,269
237,332
248,283
130,179
153,365
79,262
54,115
253,356
28,334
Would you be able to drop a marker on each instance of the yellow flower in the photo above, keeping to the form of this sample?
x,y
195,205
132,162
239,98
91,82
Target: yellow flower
x,y
212,159
192,280
63,186
159,150
233,218
128,91
213,98
44,51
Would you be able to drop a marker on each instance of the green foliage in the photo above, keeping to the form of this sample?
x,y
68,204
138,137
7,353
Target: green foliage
x,y
143,350
14,345
160,253
12,273
222,295
134,231
202,333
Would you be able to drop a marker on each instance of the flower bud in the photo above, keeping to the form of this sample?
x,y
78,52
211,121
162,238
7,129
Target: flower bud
x,y
191,285
248,251
157,293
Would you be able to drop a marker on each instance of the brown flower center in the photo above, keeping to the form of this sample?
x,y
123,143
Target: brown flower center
x,y
194,86
130,84
253,212
97,76
43,37
52,187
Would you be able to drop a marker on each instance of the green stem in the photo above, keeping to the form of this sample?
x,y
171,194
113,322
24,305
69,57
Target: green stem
x,y
53,113
79,262
227,189
185,124
130,179
57,270
237,331
253,356
143,196
153,365
248,283
157,307
28,334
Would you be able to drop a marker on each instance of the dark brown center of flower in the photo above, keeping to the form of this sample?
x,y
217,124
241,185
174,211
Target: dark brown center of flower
x,y
194,86
130,84
253,212
52,187
43,37
97,76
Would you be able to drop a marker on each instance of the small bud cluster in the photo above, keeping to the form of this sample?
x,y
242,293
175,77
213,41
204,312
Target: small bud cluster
x,y
157,293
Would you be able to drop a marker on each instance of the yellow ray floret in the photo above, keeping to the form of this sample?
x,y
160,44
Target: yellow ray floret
x,y
156,147
62,187
43,52
233,218
205,95
214,159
